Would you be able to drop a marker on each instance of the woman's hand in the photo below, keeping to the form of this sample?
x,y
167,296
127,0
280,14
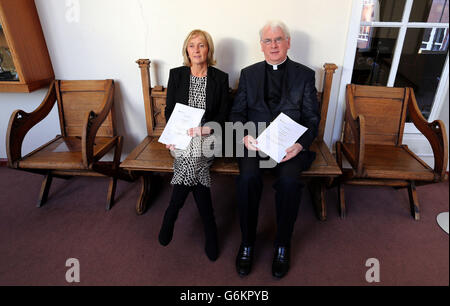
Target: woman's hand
x,y
199,131
171,147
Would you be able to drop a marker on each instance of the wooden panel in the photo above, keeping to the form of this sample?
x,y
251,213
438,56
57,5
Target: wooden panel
x,y
382,139
79,102
136,152
325,164
393,162
382,117
89,85
225,165
142,157
159,118
380,92
379,182
348,136
75,107
103,131
77,173
156,156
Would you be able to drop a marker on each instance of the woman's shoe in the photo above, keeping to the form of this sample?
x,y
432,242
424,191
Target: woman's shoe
x,y
211,248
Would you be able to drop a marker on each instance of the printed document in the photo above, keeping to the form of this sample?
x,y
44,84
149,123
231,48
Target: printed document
x,y
182,119
282,133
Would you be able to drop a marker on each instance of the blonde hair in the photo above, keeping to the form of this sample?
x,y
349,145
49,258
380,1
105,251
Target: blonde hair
x,y
211,61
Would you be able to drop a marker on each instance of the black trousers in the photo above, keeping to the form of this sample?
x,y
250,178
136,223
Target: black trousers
x,y
288,191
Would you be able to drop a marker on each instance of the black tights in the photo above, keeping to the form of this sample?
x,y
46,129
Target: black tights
x,y
202,196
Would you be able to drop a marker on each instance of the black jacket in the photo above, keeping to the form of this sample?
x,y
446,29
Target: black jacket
x,y
217,93
298,101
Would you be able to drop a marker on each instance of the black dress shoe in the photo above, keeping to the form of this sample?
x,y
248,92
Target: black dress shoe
x,y
244,260
280,264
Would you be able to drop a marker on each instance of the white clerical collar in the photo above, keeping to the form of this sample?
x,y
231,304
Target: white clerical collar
x,y
275,67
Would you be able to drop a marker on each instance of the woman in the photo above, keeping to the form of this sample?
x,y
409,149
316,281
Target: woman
x,y
196,84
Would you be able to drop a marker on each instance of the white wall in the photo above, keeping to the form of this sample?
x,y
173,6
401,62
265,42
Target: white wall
x,y
111,35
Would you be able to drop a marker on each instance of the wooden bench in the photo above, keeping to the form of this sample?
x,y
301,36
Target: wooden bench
x,y
376,151
150,156
87,122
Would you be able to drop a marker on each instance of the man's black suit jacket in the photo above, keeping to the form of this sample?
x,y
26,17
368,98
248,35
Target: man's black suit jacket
x,y
298,100
217,93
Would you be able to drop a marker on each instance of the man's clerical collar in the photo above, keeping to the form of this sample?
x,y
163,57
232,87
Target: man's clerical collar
x,y
275,67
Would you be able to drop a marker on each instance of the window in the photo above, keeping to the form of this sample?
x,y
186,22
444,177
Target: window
x,y
403,43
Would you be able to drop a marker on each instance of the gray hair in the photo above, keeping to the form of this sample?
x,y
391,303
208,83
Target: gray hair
x,y
273,24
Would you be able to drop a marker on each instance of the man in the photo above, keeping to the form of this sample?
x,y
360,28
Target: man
x,y
266,89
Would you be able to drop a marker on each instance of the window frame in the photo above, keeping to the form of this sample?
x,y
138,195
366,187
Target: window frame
x,y
351,46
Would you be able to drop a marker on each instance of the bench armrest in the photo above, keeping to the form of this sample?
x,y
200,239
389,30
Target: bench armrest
x,y
357,126
435,134
21,122
93,122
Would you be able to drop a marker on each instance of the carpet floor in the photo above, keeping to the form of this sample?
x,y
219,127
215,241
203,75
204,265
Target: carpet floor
x,y
118,247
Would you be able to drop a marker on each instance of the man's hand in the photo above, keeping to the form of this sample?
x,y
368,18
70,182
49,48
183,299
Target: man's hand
x,y
250,142
199,131
292,151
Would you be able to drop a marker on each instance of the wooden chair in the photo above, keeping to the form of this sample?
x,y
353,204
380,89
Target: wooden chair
x,y
150,156
372,142
86,116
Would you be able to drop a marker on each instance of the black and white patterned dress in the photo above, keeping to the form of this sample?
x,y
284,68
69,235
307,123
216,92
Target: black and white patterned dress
x,y
190,166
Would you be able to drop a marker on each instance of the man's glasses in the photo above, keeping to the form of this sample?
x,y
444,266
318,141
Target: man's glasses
x,y
269,41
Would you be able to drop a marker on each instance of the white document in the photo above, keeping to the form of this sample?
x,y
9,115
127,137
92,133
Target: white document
x,y
182,119
282,133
